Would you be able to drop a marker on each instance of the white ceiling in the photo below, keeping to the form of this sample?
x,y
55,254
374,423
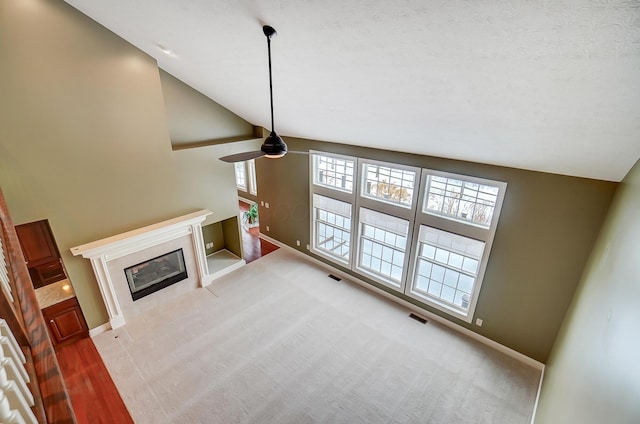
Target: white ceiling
x,y
551,86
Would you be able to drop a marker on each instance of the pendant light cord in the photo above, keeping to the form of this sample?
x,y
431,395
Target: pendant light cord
x,y
270,82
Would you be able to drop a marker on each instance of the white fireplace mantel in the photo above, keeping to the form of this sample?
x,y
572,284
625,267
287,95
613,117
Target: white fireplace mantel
x,y
101,252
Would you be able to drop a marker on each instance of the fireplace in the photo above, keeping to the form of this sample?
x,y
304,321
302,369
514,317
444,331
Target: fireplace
x,y
111,255
155,274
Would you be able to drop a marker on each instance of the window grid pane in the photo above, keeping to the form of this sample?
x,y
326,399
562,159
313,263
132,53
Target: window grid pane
x,y
334,172
253,182
332,229
447,267
381,254
388,184
241,176
462,200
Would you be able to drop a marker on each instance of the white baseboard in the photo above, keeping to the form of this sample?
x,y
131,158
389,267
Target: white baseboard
x,y
99,329
247,201
415,309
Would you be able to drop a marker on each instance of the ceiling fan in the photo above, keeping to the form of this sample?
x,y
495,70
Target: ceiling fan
x,y
273,146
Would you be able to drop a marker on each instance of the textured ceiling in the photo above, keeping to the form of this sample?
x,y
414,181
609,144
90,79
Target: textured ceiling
x,y
552,86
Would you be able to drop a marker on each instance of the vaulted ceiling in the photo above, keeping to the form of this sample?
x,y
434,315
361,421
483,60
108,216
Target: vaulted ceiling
x,y
552,86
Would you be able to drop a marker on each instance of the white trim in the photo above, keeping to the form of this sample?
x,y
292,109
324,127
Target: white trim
x,y
209,278
125,240
455,226
252,177
535,405
247,201
99,329
244,176
416,309
100,252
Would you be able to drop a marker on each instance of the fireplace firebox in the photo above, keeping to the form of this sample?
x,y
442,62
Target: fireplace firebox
x,y
155,274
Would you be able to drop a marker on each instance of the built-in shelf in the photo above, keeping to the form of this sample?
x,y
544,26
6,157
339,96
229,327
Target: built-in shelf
x,y
222,262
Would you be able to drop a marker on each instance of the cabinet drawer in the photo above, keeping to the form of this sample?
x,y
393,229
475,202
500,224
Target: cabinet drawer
x,y
47,273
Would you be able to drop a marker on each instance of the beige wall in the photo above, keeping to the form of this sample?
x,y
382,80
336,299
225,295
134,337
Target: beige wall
x,y
84,140
546,230
593,374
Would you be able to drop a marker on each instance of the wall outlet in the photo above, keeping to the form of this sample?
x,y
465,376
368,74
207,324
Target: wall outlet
x,y
298,242
479,322
308,247
262,203
266,205
267,228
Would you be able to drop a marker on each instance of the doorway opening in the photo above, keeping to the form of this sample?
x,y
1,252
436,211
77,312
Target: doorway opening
x,y
253,246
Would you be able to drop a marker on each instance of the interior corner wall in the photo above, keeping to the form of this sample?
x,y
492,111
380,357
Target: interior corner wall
x,y
194,118
232,237
593,375
547,227
213,233
84,139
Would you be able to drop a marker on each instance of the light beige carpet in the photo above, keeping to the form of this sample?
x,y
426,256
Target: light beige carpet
x,y
279,342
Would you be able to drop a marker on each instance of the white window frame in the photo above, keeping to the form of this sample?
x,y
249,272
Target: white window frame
x,y
364,164
241,175
459,227
394,209
252,178
335,193
317,221
315,155
415,216
246,171
363,238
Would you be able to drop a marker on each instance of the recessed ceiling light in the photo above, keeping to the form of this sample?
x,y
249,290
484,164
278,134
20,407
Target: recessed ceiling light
x,y
166,50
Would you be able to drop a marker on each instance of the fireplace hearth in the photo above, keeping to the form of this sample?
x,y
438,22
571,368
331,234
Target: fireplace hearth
x,y
155,274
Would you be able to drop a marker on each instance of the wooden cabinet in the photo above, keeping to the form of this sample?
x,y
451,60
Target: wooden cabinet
x,y
47,273
37,242
40,253
65,322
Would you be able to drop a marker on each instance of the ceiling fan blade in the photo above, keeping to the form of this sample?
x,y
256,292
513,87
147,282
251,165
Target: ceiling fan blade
x,y
241,157
298,152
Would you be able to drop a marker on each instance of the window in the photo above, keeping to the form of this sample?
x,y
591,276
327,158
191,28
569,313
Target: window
x,y
241,176
392,185
246,176
464,200
253,181
382,246
332,198
456,226
332,229
333,172
447,267
423,233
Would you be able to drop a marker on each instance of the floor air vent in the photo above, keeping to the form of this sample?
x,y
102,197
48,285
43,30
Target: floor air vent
x,y
335,277
417,318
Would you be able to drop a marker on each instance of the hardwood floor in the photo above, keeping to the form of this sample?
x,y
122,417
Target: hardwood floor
x,y
94,396
253,246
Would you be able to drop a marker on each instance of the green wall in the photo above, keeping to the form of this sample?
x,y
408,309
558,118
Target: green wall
x,y
213,233
224,234
195,120
593,375
84,138
546,230
232,242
